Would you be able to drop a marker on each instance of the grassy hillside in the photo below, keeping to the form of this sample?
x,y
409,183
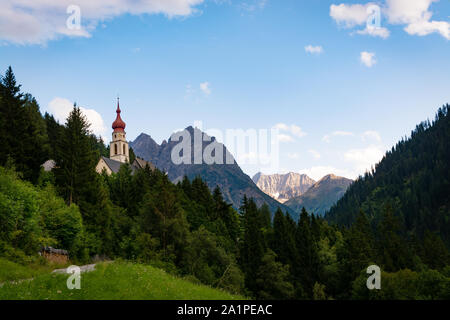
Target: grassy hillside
x,y
10,271
114,281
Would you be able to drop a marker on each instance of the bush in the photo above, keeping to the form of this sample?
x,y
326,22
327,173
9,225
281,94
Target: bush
x,y
31,217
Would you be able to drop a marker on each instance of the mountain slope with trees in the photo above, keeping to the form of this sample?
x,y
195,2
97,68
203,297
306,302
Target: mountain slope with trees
x,y
413,179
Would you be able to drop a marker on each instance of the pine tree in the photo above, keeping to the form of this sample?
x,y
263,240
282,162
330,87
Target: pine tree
x,y
306,268
23,132
435,254
273,279
76,160
252,245
356,254
283,240
393,249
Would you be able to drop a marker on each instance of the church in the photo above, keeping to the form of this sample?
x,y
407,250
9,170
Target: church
x,y
119,150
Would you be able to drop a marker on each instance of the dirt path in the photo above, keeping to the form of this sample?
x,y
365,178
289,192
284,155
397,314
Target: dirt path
x,y
86,268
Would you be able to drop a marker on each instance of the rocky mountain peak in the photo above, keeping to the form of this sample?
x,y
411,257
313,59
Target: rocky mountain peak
x,y
283,186
233,182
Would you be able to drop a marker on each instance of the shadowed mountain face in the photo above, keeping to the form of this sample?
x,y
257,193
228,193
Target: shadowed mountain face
x,y
321,196
233,182
283,187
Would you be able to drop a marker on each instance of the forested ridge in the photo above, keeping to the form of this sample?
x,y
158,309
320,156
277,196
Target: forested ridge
x,y
188,230
413,179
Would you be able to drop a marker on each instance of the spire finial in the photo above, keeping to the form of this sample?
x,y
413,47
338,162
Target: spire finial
x,y
118,104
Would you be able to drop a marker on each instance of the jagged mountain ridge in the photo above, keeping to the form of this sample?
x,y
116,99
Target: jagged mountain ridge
x,y
283,187
321,196
233,182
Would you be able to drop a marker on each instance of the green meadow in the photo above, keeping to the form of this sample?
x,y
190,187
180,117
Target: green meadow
x,y
112,281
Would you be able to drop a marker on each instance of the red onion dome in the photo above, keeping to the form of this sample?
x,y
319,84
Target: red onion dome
x,y
118,125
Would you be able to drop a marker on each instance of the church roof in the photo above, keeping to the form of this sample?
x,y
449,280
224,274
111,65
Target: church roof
x,y
118,125
142,163
114,165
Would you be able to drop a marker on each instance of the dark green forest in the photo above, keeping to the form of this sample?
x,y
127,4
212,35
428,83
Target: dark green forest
x,y
395,217
412,180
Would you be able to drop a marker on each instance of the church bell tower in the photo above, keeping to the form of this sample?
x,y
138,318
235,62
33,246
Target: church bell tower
x,y
119,149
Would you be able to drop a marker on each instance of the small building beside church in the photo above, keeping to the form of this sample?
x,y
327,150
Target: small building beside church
x,y
119,150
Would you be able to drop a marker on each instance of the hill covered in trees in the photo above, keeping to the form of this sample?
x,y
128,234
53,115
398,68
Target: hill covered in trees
x,y
413,180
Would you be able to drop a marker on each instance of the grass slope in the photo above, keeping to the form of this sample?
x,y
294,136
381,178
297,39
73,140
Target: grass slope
x,y
114,281
11,271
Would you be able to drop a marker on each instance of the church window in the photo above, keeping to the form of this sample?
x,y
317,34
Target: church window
x,y
115,149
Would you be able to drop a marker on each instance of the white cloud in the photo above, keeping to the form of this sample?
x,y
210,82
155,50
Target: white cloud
x,y
368,59
417,17
414,14
38,21
61,108
314,153
407,11
293,129
327,138
253,5
364,159
285,138
206,88
374,135
424,28
375,32
350,15
314,49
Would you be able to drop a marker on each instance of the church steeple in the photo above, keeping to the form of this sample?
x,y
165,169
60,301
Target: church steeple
x,y
119,149
118,125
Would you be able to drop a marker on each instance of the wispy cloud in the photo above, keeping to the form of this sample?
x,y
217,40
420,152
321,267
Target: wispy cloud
x,y
253,5
314,49
371,135
314,153
327,138
375,32
366,158
285,138
288,132
206,88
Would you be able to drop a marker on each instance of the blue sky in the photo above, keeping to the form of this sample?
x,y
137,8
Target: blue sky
x,y
242,64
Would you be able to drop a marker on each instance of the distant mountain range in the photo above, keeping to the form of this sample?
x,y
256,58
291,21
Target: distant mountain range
x,y
283,187
321,196
233,182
